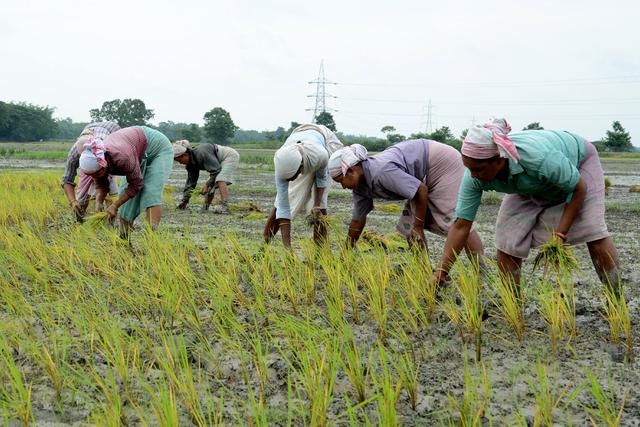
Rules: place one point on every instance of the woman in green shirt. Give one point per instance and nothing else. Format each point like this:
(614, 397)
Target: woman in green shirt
(554, 184)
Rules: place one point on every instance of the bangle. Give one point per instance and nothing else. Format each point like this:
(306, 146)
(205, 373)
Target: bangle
(419, 219)
(561, 235)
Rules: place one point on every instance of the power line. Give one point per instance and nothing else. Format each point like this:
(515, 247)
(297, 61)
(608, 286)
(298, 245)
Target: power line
(507, 103)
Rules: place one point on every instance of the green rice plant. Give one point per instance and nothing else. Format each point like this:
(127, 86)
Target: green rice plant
(353, 364)
(608, 408)
(548, 398)
(408, 368)
(619, 319)
(336, 274)
(388, 390)
(394, 208)
(123, 354)
(260, 352)
(469, 409)
(607, 185)
(374, 273)
(110, 412)
(552, 308)
(15, 393)
(98, 220)
(167, 196)
(557, 256)
(257, 411)
(52, 358)
(467, 316)
(165, 404)
(419, 294)
(509, 301)
(568, 300)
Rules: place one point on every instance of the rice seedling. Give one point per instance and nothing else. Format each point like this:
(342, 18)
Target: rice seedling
(469, 409)
(15, 393)
(419, 294)
(388, 390)
(165, 405)
(98, 220)
(608, 408)
(167, 196)
(408, 368)
(619, 319)
(509, 301)
(469, 314)
(374, 273)
(607, 185)
(557, 256)
(353, 364)
(393, 208)
(550, 307)
(547, 397)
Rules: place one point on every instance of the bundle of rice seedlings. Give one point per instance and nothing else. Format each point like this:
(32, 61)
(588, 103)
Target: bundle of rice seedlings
(556, 254)
(325, 220)
(634, 189)
(389, 208)
(607, 185)
(253, 216)
(390, 241)
(244, 206)
(167, 196)
(97, 220)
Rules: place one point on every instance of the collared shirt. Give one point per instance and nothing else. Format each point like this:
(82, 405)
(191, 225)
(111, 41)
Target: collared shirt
(283, 209)
(202, 157)
(548, 169)
(99, 130)
(394, 174)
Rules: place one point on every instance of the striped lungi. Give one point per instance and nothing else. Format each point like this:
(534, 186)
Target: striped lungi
(526, 222)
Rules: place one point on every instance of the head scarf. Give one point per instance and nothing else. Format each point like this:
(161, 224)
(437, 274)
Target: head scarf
(345, 158)
(490, 140)
(180, 147)
(311, 155)
(92, 157)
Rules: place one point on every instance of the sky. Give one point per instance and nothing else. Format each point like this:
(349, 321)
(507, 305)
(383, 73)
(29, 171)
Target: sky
(570, 65)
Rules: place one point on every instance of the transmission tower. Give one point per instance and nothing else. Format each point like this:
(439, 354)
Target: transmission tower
(321, 94)
(429, 127)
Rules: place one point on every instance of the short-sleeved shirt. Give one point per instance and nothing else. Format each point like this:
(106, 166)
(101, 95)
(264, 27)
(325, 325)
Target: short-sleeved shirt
(394, 174)
(548, 169)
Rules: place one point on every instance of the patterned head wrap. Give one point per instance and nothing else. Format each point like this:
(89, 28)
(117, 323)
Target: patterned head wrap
(92, 157)
(180, 147)
(345, 158)
(490, 140)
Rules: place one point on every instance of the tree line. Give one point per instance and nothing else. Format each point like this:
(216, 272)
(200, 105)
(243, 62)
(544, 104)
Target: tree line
(27, 122)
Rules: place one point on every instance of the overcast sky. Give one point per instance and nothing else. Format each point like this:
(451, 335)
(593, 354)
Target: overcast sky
(572, 65)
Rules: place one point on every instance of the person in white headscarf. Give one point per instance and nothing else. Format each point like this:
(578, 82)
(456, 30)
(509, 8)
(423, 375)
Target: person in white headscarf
(79, 195)
(301, 181)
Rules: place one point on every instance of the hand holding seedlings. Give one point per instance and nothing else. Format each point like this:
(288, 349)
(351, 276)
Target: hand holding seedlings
(112, 210)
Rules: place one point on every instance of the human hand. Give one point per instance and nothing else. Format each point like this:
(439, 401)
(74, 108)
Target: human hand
(439, 278)
(78, 211)
(204, 190)
(112, 210)
(316, 214)
(182, 206)
(99, 207)
(416, 237)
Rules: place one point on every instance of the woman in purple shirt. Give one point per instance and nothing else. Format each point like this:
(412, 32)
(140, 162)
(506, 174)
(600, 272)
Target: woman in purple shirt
(425, 173)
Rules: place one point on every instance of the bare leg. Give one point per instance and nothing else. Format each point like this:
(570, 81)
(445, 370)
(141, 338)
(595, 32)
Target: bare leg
(320, 230)
(154, 215)
(604, 256)
(224, 190)
(271, 227)
(474, 248)
(510, 267)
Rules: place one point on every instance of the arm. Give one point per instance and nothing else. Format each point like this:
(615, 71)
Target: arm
(571, 209)
(283, 212)
(355, 230)
(417, 233)
(192, 181)
(456, 239)
(69, 176)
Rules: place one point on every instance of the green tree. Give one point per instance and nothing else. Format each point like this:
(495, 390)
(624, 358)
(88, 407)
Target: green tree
(533, 126)
(126, 112)
(218, 126)
(326, 118)
(391, 135)
(388, 129)
(193, 133)
(618, 139)
(68, 129)
(26, 122)
(442, 135)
